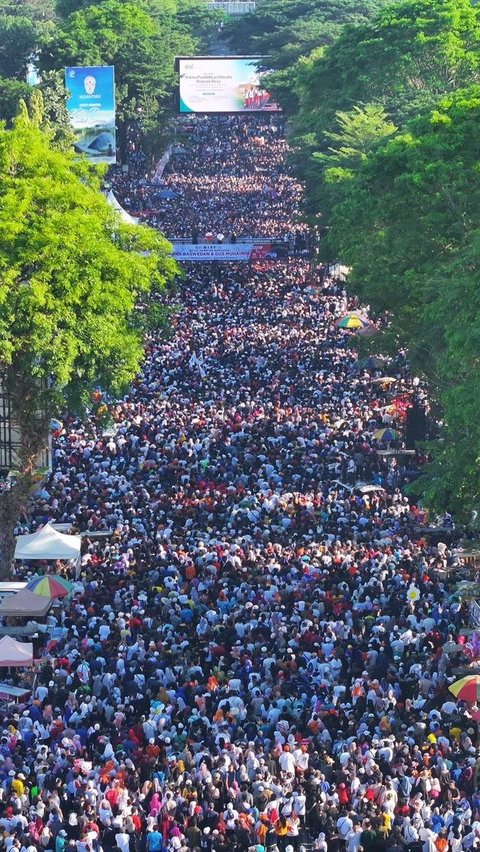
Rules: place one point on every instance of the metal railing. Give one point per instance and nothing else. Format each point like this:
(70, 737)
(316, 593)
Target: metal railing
(257, 241)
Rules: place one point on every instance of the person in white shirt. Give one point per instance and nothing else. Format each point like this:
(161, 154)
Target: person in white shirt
(122, 839)
(287, 760)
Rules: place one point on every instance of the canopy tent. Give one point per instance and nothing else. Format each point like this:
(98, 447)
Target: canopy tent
(48, 543)
(25, 604)
(125, 217)
(13, 653)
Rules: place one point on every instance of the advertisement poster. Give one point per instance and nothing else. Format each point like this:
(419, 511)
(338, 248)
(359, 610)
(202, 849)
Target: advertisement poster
(91, 106)
(213, 84)
(220, 251)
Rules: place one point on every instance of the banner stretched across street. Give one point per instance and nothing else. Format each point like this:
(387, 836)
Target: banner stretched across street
(91, 108)
(220, 251)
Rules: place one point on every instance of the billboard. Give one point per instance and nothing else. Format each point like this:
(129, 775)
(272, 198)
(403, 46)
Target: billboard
(91, 107)
(220, 251)
(223, 84)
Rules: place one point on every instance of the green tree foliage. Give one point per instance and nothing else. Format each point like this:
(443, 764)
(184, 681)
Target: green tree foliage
(405, 217)
(141, 39)
(73, 279)
(357, 134)
(11, 93)
(55, 117)
(288, 29)
(18, 40)
(400, 206)
(404, 59)
(114, 33)
(35, 10)
(50, 92)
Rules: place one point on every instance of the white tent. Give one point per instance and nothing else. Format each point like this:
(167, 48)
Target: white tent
(13, 653)
(125, 217)
(48, 543)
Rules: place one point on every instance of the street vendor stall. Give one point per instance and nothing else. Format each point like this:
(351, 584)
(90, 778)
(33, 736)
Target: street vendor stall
(25, 604)
(15, 654)
(48, 544)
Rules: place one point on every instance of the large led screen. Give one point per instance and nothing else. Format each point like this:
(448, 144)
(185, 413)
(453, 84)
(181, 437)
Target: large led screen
(212, 84)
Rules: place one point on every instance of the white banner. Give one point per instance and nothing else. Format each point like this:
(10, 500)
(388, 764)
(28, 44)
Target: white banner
(218, 251)
(162, 164)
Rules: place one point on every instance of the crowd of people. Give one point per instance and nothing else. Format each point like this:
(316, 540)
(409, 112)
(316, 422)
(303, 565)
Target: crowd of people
(226, 176)
(258, 653)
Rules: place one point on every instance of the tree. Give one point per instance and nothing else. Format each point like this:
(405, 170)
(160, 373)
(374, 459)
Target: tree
(73, 277)
(36, 10)
(55, 117)
(360, 132)
(18, 41)
(405, 218)
(141, 39)
(287, 29)
(405, 58)
(12, 92)
(399, 206)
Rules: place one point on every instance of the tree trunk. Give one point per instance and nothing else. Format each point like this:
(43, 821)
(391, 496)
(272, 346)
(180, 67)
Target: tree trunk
(30, 418)
(10, 508)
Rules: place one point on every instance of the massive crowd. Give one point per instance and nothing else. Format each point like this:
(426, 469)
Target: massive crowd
(231, 180)
(258, 656)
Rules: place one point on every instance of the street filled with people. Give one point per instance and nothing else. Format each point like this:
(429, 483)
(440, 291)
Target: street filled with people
(230, 178)
(258, 652)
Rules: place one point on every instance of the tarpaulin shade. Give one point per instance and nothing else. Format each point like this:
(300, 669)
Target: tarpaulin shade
(13, 653)
(48, 543)
(26, 604)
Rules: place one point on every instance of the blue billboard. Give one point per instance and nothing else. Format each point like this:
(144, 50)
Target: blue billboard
(91, 106)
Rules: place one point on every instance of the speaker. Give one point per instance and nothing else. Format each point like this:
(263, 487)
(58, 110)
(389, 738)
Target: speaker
(416, 425)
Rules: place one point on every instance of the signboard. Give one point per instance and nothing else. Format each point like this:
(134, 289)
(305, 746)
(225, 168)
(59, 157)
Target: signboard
(223, 84)
(91, 107)
(232, 7)
(220, 251)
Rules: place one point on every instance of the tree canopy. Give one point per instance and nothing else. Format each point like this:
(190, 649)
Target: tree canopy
(74, 282)
(18, 40)
(71, 272)
(386, 133)
(288, 29)
(403, 213)
(141, 39)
